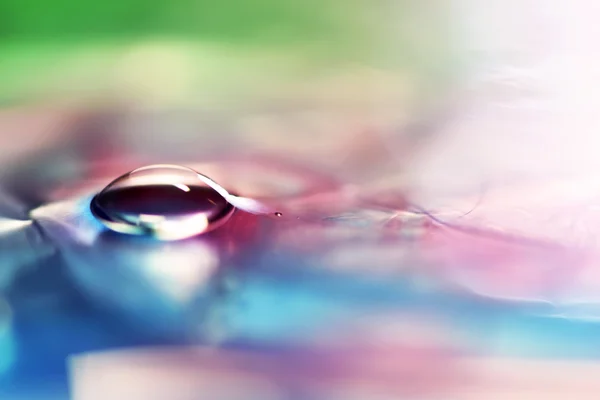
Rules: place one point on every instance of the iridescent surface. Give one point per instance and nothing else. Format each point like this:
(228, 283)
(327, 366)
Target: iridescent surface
(432, 243)
(346, 276)
(341, 275)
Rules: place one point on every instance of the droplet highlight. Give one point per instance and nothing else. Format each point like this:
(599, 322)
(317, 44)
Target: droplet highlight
(169, 202)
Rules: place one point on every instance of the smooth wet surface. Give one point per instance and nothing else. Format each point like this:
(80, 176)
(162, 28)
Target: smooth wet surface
(167, 201)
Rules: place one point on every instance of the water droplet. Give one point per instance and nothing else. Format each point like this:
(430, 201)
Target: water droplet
(169, 202)
(278, 214)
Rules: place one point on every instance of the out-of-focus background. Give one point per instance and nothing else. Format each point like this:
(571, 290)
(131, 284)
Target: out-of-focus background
(298, 77)
(434, 161)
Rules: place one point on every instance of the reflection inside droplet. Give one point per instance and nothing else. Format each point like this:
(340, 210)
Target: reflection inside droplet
(169, 202)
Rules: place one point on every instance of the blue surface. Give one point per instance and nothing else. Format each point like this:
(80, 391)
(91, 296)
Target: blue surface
(74, 301)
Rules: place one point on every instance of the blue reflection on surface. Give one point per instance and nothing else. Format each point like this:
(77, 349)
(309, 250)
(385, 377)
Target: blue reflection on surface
(7, 343)
(269, 300)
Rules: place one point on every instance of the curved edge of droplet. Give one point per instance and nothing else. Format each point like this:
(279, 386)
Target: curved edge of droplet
(249, 205)
(153, 166)
(117, 224)
(243, 203)
(177, 230)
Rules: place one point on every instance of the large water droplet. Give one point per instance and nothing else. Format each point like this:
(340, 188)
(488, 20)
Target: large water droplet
(169, 202)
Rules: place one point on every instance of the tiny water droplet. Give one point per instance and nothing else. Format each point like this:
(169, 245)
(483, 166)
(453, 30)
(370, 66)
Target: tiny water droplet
(169, 202)
(278, 214)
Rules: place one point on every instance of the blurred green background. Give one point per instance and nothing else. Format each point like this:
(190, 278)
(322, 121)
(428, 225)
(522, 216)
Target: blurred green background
(194, 50)
(233, 21)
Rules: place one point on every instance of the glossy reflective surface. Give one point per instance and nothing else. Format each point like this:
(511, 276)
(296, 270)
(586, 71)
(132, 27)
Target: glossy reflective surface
(166, 201)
